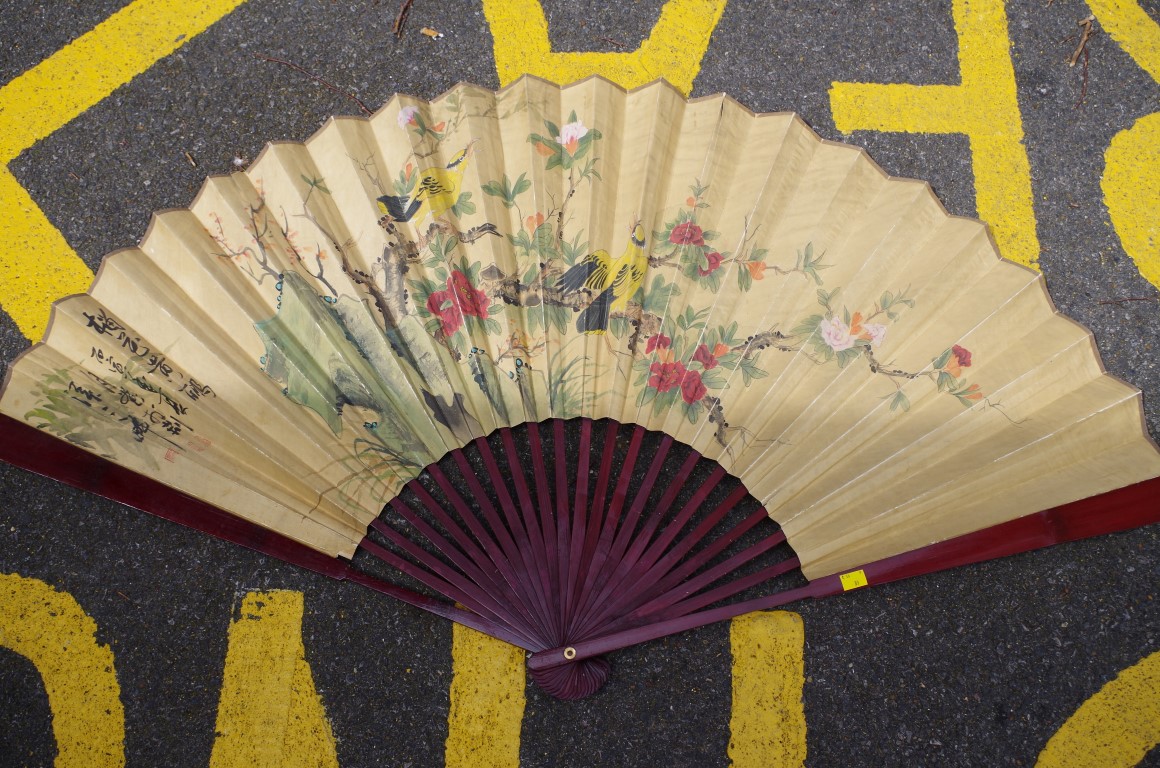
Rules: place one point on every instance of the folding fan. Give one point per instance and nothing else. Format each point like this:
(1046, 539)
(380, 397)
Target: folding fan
(581, 368)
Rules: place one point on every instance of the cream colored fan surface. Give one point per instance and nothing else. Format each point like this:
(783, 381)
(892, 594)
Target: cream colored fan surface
(315, 331)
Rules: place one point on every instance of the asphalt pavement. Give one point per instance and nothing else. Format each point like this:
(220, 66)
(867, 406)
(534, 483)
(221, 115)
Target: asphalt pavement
(975, 667)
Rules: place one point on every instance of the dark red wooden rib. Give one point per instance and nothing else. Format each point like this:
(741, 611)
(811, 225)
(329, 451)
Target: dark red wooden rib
(467, 557)
(502, 552)
(612, 517)
(597, 512)
(522, 525)
(672, 568)
(547, 525)
(679, 586)
(579, 520)
(433, 573)
(563, 498)
(520, 556)
(630, 568)
(626, 530)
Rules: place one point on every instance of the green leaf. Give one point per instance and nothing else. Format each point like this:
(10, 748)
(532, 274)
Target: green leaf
(899, 401)
(946, 382)
(942, 359)
(744, 279)
(464, 206)
(807, 327)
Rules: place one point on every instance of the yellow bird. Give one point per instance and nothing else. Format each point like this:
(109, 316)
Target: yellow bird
(613, 282)
(436, 192)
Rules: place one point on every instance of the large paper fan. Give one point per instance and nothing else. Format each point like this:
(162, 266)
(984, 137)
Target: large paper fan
(581, 368)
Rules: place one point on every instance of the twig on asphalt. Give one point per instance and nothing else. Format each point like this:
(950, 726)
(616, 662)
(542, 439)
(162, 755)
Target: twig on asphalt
(1126, 299)
(1088, 31)
(401, 18)
(329, 85)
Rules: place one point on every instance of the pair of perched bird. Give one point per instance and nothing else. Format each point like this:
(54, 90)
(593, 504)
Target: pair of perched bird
(612, 281)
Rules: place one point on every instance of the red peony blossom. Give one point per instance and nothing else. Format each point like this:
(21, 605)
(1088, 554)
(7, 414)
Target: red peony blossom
(714, 260)
(665, 376)
(960, 358)
(705, 358)
(687, 234)
(660, 341)
(470, 299)
(692, 388)
(450, 317)
(962, 355)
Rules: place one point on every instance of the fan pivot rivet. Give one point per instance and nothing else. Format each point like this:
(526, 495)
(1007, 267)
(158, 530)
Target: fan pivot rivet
(569, 653)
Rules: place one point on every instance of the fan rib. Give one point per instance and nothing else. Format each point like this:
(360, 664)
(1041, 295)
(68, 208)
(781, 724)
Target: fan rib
(433, 572)
(580, 513)
(473, 562)
(665, 582)
(547, 527)
(503, 554)
(683, 593)
(440, 585)
(533, 567)
(655, 579)
(630, 564)
(627, 530)
(595, 515)
(612, 514)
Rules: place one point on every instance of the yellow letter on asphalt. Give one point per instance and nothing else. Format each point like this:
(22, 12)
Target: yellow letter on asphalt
(768, 725)
(673, 50)
(487, 702)
(52, 631)
(269, 714)
(37, 265)
(983, 106)
(1131, 180)
(1116, 727)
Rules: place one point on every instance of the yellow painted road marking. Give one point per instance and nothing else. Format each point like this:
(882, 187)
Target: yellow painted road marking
(1131, 180)
(487, 702)
(1133, 29)
(52, 631)
(37, 266)
(768, 725)
(984, 107)
(269, 713)
(673, 49)
(1116, 727)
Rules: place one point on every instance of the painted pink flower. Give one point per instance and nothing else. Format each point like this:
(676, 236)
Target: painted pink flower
(660, 341)
(440, 304)
(875, 333)
(470, 299)
(692, 388)
(570, 136)
(714, 260)
(687, 234)
(666, 376)
(836, 334)
(960, 358)
(407, 117)
(705, 357)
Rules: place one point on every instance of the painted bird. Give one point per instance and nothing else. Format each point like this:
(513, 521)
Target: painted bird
(612, 281)
(436, 192)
